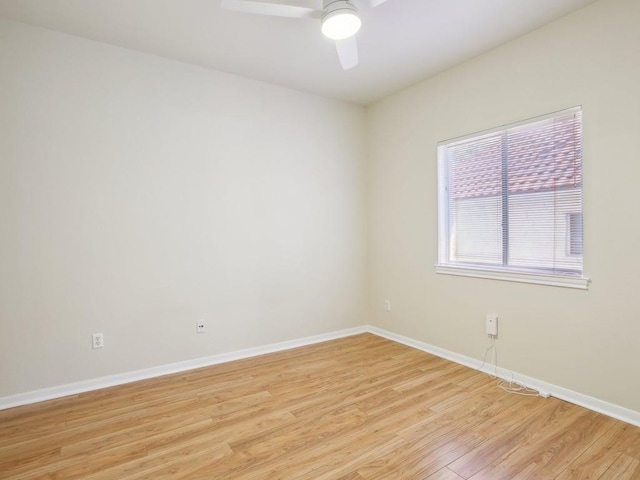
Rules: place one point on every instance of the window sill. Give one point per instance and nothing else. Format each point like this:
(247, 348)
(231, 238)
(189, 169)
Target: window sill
(552, 280)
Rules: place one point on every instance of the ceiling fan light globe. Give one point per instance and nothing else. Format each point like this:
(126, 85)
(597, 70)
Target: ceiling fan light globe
(341, 24)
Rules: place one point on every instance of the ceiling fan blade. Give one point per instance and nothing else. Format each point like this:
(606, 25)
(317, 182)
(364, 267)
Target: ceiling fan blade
(375, 3)
(271, 9)
(347, 52)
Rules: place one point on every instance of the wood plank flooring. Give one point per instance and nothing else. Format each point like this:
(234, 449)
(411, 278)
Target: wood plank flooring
(358, 408)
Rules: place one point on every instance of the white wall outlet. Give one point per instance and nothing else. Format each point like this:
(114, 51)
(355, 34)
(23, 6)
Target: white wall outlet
(98, 340)
(387, 305)
(492, 324)
(200, 326)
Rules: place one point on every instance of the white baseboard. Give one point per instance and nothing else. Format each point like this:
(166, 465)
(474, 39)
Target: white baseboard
(600, 406)
(609, 409)
(134, 376)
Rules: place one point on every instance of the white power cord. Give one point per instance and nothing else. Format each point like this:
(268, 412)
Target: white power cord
(511, 386)
(518, 388)
(493, 351)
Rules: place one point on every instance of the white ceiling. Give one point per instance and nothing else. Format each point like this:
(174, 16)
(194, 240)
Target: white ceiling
(401, 41)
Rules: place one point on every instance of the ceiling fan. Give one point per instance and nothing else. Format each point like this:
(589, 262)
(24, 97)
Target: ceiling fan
(339, 20)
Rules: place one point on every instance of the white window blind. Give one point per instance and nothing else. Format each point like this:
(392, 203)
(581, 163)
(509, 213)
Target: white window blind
(510, 199)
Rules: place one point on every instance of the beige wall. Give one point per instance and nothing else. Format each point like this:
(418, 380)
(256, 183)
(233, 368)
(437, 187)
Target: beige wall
(139, 194)
(583, 341)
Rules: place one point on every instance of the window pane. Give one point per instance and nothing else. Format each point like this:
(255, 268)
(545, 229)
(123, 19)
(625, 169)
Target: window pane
(475, 201)
(545, 184)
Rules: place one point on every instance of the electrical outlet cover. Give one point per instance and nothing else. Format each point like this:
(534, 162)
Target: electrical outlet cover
(492, 324)
(98, 340)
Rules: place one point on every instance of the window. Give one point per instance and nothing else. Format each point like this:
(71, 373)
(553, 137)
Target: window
(510, 202)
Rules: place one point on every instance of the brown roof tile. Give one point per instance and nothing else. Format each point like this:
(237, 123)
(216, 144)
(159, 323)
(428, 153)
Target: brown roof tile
(544, 157)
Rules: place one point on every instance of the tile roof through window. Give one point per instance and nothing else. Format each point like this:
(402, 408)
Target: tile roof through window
(541, 157)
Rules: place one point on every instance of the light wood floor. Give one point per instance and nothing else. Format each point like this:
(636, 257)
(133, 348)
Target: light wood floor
(359, 408)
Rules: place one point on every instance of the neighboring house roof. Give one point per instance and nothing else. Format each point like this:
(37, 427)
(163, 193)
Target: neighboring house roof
(542, 157)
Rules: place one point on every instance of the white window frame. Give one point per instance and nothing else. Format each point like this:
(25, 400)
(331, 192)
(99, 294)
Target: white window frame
(493, 272)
